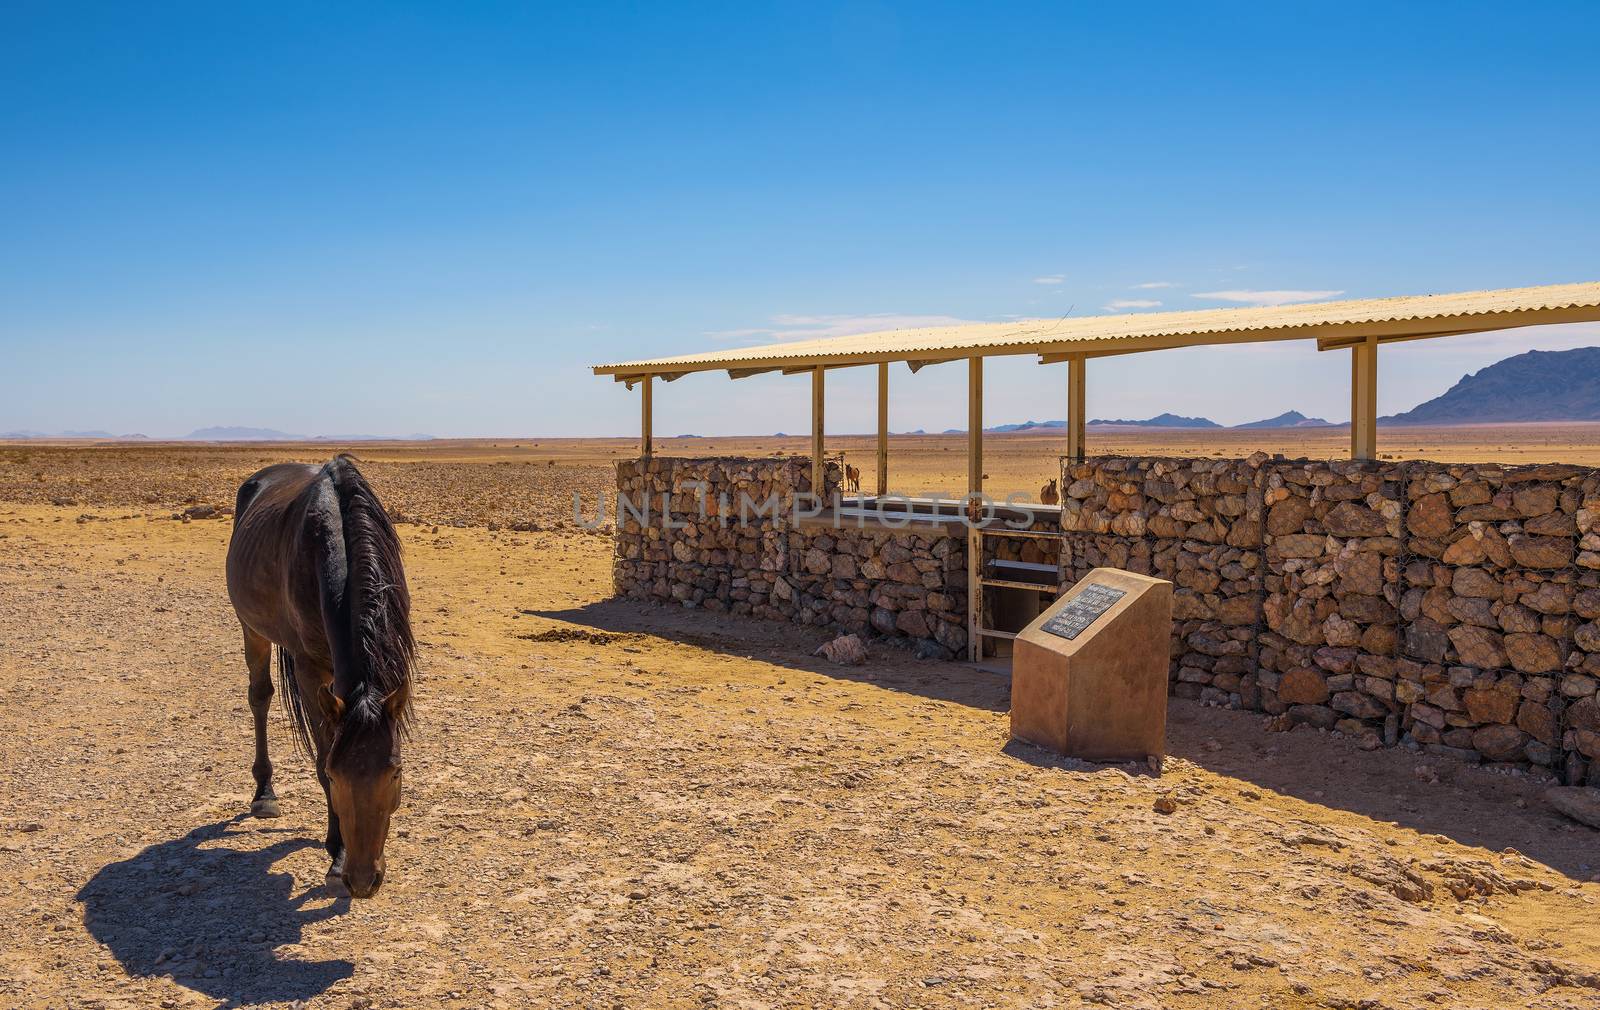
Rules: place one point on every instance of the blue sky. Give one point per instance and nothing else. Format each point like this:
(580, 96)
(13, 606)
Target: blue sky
(412, 217)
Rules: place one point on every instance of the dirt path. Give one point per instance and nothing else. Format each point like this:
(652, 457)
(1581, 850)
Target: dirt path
(612, 805)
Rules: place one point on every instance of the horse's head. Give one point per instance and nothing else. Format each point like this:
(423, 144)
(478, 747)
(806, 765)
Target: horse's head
(363, 769)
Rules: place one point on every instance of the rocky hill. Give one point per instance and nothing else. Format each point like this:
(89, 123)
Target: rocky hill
(237, 433)
(1533, 386)
(1159, 421)
(1289, 419)
(1029, 426)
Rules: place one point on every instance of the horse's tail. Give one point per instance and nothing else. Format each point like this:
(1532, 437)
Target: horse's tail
(294, 706)
(381, 645)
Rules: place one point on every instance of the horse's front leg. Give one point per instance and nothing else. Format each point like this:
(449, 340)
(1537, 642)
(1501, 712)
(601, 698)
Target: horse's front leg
(322, 739)
(335, 841)
(258, 658)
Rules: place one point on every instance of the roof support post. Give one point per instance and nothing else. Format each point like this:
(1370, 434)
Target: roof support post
(1077, 409)
(883, 428)
(974, 424)
(819, 467)
(1364, 399)
(647, 447)
(974, 487)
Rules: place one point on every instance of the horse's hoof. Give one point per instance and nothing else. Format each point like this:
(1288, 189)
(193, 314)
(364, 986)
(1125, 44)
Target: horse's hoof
(267, 806)
(334, 878)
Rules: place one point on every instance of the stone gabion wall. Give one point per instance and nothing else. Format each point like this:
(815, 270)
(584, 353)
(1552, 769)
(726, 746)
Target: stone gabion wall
(1330, 537)
(900, 585)
(1497, 583)
(713, 561)
(1447, 606)
(891, 584)
(1196, 523)
(1453, 607)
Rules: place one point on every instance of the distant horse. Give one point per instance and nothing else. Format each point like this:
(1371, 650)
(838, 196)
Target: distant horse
(1048, 495)
(314, 568)
(852, 477)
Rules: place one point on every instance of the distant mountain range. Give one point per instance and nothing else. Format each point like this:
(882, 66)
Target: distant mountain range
(25, 434)
(1288, 419)
(1532, 386)
(225, 433)
(234, 433)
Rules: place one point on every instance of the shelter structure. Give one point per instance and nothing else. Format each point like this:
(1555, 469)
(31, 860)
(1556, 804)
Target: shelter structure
(1357, 326)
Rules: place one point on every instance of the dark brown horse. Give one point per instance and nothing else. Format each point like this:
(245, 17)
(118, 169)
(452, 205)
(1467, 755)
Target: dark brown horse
(314, 568)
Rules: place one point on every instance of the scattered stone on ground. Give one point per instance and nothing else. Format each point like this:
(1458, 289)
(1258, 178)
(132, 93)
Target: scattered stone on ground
(846, 650)
(1580, 803)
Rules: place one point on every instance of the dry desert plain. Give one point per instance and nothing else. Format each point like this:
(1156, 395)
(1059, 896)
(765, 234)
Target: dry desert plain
(616, 805)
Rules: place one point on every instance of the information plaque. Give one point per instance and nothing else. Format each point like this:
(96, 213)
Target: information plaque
(1089, 675)
(1081, 610)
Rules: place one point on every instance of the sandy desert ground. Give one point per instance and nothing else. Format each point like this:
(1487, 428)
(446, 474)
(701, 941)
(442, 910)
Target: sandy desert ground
(616, 805)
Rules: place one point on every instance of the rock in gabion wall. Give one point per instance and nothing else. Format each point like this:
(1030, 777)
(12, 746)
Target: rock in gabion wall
(896, 584)
(1455, 607)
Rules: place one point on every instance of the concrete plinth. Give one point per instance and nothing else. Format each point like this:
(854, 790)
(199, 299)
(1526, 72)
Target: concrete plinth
(1089, 675)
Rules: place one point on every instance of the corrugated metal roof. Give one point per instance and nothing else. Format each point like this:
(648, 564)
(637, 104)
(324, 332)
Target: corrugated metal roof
(1403, 318)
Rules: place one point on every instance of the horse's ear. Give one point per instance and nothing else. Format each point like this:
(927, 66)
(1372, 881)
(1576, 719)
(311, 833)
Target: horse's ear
(335, 702)
(395, 702)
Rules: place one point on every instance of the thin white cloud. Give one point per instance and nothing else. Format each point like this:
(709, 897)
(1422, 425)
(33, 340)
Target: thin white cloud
(1051, 279)
(1152, 285)
(1267, 297)
(812, 327)
(1130, 303)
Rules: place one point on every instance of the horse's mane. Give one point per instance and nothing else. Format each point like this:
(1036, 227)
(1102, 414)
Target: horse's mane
(378, 607)
(375, 590)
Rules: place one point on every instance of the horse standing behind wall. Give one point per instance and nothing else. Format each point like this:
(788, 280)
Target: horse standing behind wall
(1048, 495)
(314, 568)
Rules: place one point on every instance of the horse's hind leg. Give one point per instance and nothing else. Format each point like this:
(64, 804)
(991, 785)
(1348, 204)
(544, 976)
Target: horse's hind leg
(258, 657)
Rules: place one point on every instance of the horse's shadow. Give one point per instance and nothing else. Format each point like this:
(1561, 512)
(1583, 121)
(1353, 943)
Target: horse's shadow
(210, 918)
